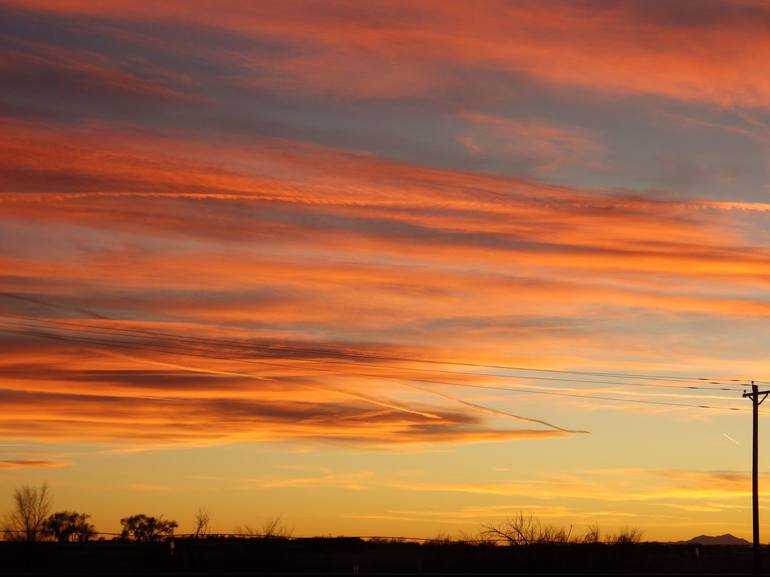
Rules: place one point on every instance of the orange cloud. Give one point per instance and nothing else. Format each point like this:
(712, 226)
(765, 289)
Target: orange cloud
(544, 145)
(665, 487)
(87, 73)
(712, 54)
(262, 285)
(28, 463)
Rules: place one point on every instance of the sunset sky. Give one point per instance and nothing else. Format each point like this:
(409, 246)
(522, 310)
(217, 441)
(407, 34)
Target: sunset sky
(386, 267)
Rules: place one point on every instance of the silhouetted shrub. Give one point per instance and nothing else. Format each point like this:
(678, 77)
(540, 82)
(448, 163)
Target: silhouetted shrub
(593, 535)
(626, 536)
(273, 528)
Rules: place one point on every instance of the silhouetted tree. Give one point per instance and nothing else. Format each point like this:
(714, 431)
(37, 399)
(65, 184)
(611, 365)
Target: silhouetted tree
(519, 530)
(143, 528)
(202, 522)
(31, 506)
(66, 526)
(527, 530)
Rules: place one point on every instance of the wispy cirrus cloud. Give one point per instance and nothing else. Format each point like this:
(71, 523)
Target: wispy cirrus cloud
(664, 486)
(29, 463)
(673, 51)
(529, 145)
(324, 262)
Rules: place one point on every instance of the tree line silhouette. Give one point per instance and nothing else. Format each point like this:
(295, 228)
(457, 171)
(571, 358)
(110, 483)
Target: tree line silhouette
(32, 519)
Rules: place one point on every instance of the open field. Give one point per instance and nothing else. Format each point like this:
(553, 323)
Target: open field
(353, 555)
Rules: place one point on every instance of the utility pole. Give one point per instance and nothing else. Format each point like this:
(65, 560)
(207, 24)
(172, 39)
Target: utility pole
(757, 397)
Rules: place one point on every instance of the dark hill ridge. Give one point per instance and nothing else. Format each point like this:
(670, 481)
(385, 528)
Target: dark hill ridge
(726, 539)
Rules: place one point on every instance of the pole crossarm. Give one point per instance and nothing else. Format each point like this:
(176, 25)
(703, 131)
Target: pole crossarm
(752, 395)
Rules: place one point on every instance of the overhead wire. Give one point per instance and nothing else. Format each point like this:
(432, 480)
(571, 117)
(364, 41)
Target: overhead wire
(208, 355)
(576, 395)
(255, 347)
(488, 375)
(321, 351)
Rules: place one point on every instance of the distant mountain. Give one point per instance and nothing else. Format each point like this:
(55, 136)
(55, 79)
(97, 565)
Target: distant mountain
(725, 539)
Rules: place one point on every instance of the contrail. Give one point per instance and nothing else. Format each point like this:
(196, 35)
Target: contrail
(745, 206)
(729, 438)
(494, 411)
(339, 391)
(29, 299)
(357, 396)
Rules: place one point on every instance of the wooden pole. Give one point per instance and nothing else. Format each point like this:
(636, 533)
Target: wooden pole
(754, 474)
(754, 395)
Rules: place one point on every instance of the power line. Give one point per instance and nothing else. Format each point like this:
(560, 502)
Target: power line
(458, 373)
(556, 379)
(250, 347)
(208, 355)
(137, 346)
(321, 352)
(597, 397)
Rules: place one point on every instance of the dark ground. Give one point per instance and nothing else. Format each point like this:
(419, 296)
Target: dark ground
(351, 555)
